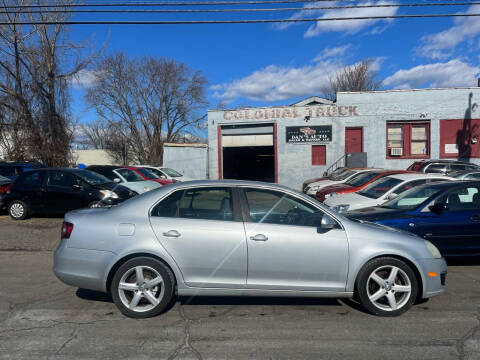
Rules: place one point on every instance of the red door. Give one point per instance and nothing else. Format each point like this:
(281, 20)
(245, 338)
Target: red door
(353, 140)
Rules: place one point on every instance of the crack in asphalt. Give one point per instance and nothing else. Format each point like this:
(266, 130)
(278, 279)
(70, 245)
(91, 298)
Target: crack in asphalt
(470, 334)
(186, 340)
(72, 336)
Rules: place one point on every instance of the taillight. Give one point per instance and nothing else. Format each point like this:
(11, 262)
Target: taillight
(5, 189)
(67, 229)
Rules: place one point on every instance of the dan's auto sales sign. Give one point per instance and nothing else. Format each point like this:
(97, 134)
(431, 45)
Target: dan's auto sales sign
(309, 134)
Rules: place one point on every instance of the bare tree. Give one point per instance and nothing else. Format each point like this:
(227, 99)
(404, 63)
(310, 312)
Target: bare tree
(36, 63)
(358, 77)
(144, 103)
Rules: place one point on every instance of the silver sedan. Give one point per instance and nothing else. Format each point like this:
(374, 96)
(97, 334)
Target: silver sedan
(229, 238)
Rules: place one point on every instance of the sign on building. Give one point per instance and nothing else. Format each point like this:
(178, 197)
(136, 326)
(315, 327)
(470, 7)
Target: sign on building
(309, 134)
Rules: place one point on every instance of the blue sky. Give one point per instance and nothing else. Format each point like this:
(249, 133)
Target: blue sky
(264, 64)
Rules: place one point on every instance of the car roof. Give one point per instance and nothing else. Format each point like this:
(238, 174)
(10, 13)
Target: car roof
(448, 162)
(415, 175)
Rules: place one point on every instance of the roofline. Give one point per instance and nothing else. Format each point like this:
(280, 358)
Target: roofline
(405, 90)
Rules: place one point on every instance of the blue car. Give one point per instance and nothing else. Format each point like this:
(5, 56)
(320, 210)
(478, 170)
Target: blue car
(12, 170)
(447, 214)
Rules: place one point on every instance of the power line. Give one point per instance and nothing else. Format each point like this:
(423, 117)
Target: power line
(150, 11)
(259, 21)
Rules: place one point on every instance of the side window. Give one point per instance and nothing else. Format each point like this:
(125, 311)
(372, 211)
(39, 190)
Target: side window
(409, 185)
(33, 178)
(463, 199)
(273, 207)
(473, 176)
(168, 207)
(200, 203)
(436, 168)
(458, 167)
(61, 179)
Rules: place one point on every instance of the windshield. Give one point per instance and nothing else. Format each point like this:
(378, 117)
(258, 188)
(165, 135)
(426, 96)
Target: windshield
(147, 173)
(379, 187)
(171, 172)
(92, 178)
(343, 175)
(157, 172)
(129, 175)
(362, 178)
(410, 199)
(414, 166)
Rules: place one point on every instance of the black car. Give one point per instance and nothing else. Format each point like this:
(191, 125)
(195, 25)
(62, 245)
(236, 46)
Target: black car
(441, 166)
(56, 191)
(447, 214)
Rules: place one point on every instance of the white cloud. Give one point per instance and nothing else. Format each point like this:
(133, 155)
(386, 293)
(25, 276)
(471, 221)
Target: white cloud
(442, 44)
(85, 78)
(274, 82)
(332, 52)
(344, 26)
(447, 74)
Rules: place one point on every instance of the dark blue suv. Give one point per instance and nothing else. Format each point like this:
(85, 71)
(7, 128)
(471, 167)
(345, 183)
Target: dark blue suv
(12, 170)
(447, 214)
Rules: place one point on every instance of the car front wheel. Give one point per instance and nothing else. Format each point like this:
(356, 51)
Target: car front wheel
(386, 287)
(143, 287)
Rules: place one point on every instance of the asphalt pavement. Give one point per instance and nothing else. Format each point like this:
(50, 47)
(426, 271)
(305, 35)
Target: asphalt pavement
(41, 318)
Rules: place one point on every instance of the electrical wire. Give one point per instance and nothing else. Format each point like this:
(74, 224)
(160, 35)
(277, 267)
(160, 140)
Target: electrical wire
(150, 11)
(258, 21)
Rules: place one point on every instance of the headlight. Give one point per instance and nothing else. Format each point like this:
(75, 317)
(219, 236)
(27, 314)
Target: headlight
(341, 208)
(109, 194)
(433, 250)
(147, 188)
(330, 195)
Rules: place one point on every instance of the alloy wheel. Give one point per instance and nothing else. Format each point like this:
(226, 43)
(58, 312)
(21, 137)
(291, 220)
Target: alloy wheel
(17, 210)
(389, 288)
(141, 288)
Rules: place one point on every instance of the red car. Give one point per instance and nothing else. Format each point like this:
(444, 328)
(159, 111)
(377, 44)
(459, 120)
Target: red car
(147, 175)
(356, 183)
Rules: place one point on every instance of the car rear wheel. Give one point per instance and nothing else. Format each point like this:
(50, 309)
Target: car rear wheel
(386, 287)
(143, 287)
(18, 210)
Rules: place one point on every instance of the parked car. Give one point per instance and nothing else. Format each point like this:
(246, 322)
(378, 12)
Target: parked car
(167, 173)
(447, 214)
(382, 190)
(12, 170)
(341, 178)
(465, 175)
(147, 174)
(334, 173)
(56, 191)
(126, 177)
(441, 166)
(355, 183)
(194, 239)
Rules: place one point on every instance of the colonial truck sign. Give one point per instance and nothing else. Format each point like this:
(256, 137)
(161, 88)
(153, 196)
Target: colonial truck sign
(291, 112)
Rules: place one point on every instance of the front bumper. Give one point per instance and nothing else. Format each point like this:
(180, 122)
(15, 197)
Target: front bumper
(433, 285)
(83, 268)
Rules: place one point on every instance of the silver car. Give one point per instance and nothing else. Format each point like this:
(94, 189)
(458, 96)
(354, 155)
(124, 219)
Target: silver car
(230, 238)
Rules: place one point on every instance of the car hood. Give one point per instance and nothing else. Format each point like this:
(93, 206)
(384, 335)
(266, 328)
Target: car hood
(351, 199)
(141, 186)
(122, 191)
(376, 213)
(337, 188)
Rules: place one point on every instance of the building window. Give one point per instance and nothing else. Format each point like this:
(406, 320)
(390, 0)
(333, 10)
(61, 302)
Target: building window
(319, 155)
(408, 140)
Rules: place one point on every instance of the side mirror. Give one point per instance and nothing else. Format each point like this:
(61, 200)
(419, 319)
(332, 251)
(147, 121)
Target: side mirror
(76, 187)
(438, 208)
(117, 180)
(392, 196)
(327, 223)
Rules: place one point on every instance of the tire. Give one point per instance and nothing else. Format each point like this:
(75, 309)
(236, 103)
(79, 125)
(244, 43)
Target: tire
(95, 204)
(378, 294)
(18, 210)
(142, 301)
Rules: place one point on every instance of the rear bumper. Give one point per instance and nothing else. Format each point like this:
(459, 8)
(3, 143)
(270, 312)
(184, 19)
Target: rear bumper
(82, 268)
(433, 285)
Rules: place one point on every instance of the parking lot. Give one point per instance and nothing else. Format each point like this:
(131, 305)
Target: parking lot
(42, 318)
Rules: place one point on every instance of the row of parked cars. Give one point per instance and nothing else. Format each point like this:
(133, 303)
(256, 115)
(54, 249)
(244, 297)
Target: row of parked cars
(32, 188)
(437, 200)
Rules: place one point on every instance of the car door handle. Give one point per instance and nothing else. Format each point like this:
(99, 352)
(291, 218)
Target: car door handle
(259, 237)
(475, 218)
(171, 233)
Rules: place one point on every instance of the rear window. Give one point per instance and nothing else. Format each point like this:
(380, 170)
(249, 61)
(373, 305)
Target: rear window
(362, 178)
(379, 187)
(8, 171)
